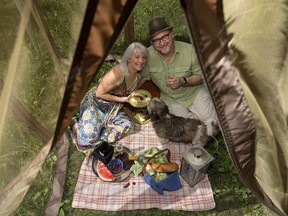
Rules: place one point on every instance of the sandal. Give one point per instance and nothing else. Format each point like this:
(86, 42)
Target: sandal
(73, 131)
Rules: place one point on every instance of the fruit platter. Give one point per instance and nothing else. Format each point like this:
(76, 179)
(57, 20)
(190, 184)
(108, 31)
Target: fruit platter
(117, 170)
(140, 98)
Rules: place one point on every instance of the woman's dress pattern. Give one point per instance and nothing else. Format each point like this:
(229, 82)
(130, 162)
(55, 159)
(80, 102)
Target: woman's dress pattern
(101, 120)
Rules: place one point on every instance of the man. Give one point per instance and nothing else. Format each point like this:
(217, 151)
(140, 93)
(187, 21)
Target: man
(174, 68)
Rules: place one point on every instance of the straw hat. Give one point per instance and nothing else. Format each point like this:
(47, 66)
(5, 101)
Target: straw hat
(158, 25)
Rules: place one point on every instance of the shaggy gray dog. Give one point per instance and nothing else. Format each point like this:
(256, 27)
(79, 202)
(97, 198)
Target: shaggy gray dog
(175, 128)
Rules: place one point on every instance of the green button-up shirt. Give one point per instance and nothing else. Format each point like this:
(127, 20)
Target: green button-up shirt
(183, 63)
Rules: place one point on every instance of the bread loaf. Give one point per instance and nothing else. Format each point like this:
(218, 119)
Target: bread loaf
(132, 158)
(165, 167)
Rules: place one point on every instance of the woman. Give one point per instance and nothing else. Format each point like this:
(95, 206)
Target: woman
(101, 117)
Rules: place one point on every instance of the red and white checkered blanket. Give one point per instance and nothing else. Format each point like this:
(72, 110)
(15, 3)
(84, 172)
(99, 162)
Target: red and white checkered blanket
(92, 193)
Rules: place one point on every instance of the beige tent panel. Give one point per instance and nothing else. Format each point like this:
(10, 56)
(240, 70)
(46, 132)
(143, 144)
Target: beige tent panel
(253, 114)
(246, 77)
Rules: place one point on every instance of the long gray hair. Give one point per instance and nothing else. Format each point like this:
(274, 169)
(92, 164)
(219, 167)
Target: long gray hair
(130, 51)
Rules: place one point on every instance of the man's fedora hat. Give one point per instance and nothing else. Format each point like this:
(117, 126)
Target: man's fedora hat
(158, 25)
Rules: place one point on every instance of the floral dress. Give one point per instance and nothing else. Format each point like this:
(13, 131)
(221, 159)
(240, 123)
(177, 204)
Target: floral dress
(103, 120)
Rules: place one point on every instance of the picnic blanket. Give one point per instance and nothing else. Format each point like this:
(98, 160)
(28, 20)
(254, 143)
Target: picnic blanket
(92, 193)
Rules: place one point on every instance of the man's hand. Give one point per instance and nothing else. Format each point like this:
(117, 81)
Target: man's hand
(175, 82)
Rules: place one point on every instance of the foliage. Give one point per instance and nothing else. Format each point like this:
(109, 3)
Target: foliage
(107, 65)
(37, 87)
(12, 157)
(145, 10)
(36, 198)
(59, 15)
(172, 12)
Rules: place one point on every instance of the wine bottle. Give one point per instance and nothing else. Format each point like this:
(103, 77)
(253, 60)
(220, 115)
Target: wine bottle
(104, 148)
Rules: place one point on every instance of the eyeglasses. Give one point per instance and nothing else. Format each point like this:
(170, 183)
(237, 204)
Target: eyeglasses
(163, 38)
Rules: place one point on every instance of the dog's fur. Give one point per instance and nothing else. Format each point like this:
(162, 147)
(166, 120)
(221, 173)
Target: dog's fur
(175, 128)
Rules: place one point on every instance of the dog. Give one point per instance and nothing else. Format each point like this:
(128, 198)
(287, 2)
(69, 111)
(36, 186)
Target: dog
(174, 128)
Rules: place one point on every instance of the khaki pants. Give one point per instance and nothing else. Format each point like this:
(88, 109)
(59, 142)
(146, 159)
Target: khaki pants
(202, 108)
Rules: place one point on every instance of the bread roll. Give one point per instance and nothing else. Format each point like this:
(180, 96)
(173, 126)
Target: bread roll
(165, 167)
(132, 158)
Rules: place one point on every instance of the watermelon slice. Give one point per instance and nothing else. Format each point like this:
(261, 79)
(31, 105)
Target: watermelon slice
(104, 173)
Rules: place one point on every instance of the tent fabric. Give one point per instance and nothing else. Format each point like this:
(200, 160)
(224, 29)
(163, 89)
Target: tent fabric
(98, 34)
(103, 23)
(246, 77)
(55, 199)
(20, 111)
(264, 76)
(12, 69)
(13, 193)
(251, 104)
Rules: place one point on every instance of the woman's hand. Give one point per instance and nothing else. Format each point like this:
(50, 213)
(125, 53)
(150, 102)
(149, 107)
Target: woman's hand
(125, 99)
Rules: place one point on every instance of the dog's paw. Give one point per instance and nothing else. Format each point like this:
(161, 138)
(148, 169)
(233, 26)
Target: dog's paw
(199, 143)
(163, 141)
(212, 127)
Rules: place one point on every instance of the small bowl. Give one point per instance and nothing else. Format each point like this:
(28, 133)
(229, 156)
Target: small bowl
(115, 165)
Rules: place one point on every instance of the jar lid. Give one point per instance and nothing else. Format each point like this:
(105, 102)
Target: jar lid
(197, 157)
